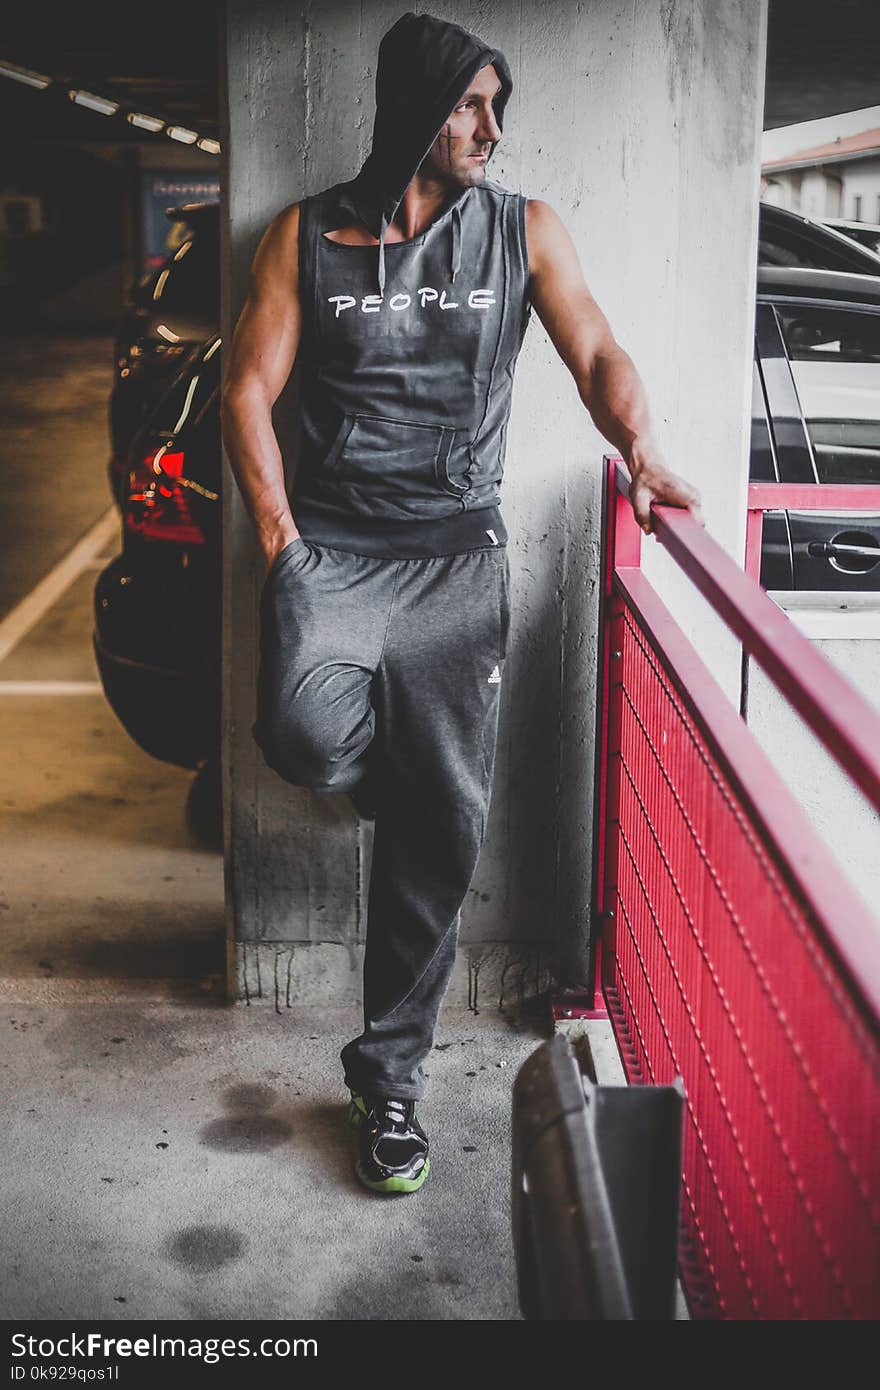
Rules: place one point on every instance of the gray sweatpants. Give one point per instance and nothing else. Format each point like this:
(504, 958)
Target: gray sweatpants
(392, 665)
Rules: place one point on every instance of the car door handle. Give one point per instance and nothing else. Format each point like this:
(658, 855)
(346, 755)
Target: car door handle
(829, 550)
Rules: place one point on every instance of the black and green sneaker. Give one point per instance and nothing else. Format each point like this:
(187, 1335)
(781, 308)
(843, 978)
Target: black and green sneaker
(392, 1146)
(357, 1109)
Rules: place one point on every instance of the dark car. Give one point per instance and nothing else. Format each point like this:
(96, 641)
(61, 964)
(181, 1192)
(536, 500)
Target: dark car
(787, 239)
(157, 605)
(816, 419)
(169, 314)
(865, 233)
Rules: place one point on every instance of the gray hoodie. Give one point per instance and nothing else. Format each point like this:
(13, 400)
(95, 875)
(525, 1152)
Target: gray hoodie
(408, 350)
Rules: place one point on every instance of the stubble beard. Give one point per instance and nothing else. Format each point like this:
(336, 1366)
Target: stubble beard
(457, 171)
(462, 173)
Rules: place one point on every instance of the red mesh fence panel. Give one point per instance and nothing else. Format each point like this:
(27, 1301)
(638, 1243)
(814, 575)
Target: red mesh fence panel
(715, 968)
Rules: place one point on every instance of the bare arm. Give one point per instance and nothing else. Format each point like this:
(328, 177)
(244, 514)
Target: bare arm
(261, 357)
(606, 378)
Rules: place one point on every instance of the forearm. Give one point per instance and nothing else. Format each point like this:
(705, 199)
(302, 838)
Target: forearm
(255, 456)
(606, 378)
(616, 399)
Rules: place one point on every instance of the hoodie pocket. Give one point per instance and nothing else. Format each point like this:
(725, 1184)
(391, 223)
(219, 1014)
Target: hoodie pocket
(377, 456)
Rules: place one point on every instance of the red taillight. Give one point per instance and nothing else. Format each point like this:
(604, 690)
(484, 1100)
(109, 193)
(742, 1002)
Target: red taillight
(158, 508)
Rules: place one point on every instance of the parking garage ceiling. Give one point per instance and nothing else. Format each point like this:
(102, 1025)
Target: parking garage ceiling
(163, 59)
(822, 58)
(160, 59)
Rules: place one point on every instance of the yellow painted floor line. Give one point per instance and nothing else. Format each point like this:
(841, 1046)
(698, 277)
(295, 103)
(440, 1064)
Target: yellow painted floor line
(50, 688)
(50, 588)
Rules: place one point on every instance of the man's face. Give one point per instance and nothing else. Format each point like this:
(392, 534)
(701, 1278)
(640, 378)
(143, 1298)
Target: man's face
(459, 153)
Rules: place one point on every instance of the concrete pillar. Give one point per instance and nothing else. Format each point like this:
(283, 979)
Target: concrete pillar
(640, 124)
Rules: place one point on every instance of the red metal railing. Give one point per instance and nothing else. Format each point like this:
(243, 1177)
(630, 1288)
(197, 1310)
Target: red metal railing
(732, 951)
(801, 497)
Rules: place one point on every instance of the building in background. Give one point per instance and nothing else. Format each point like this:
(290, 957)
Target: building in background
(826, 168)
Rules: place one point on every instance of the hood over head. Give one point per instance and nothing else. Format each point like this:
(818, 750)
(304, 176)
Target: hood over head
(425, 67)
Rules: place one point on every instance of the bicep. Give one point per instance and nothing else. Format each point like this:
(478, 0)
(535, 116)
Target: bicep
(266, 337)
(574, 322)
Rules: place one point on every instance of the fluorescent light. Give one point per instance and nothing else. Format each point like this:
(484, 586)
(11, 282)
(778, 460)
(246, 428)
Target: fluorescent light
(94, 103)
(209, 146)
(180, 132)
(167, 334)
(212, 349)
(181, 251)
(30, 79)
(145, 122)
(160, 284)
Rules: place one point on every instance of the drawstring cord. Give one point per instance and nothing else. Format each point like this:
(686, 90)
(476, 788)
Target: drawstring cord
(456, 247)
(382, 231)
(456, 242)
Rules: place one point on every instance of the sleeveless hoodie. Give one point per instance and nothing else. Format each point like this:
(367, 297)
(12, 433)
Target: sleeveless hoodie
(408, 349)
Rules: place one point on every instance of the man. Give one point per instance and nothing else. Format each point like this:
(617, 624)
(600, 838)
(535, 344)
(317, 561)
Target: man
(404, 296)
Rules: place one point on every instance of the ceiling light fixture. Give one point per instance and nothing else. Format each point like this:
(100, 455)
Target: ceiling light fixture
(30, 79)
(180, 132)
(145, 122)
(105, 106)
(95, 103)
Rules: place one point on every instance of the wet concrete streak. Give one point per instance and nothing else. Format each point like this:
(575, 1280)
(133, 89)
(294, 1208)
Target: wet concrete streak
(248, 1128)
(202, 1249)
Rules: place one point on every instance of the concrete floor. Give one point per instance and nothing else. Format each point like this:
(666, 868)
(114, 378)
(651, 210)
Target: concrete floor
(54, 393)
(188, 1160)
(167, 1155)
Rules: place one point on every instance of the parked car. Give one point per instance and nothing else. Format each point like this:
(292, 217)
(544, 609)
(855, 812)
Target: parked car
(170, 313)
(787, 239)
(816, 419)
(157, 605)
(866, 233)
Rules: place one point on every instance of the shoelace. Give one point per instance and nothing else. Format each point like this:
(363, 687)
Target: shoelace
(394, 1142)
(393, 1114)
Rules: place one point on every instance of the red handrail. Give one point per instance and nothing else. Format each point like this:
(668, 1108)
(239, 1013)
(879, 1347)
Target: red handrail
(801, 497)
(814, 497)
(838, 714)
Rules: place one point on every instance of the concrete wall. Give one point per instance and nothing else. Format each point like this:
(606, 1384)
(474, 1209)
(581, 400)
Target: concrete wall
(641, 125)
(862, 179)
(821, 193)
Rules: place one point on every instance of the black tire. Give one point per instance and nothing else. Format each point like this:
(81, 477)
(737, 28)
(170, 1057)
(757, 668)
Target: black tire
(204, 805)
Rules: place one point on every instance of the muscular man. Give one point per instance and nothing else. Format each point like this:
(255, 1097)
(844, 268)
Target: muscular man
(404, 295)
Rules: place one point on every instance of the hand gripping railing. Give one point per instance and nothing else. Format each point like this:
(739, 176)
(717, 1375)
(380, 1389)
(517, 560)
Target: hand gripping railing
(732, 951)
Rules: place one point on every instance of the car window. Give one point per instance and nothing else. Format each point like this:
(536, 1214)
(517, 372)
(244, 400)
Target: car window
(803, 245)
(866, 235)
(761, 468)
(835, 361)
(869, 237)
